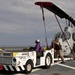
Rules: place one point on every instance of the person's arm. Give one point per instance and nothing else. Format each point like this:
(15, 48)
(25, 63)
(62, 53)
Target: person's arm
(60, 46)
(54, 46)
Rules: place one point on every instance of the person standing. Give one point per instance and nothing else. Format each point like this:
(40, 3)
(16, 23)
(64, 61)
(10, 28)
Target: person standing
(58, 49)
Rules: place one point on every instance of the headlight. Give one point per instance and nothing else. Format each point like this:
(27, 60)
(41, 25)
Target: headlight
(14, 59)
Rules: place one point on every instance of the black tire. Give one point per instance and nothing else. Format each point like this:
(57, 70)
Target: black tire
(28, 66)
(48, 60)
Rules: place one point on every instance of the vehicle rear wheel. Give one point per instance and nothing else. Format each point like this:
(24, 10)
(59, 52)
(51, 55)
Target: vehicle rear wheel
(28, 66)
(48, 61)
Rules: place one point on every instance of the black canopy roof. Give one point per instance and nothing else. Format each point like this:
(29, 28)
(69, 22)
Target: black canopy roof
(56, 10)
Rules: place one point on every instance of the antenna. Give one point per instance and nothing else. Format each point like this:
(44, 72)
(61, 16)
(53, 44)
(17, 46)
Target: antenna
(44, 27)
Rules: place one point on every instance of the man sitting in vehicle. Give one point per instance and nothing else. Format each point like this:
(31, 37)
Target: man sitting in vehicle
(38, 48)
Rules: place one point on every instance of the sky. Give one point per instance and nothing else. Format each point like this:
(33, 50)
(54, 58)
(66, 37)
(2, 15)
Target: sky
(21, 21)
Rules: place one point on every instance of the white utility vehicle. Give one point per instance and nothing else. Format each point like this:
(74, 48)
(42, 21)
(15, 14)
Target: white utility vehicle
(25, 60)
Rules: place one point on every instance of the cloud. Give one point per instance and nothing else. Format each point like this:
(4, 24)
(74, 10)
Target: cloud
(21, 21)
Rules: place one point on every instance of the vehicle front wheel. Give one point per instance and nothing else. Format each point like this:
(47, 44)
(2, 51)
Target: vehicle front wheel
(28, 67)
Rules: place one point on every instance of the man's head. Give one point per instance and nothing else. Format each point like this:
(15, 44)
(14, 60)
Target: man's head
(56, 39)
(37, 41)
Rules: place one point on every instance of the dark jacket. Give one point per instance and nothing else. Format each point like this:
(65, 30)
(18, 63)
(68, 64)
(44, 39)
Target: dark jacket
(57, 47)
